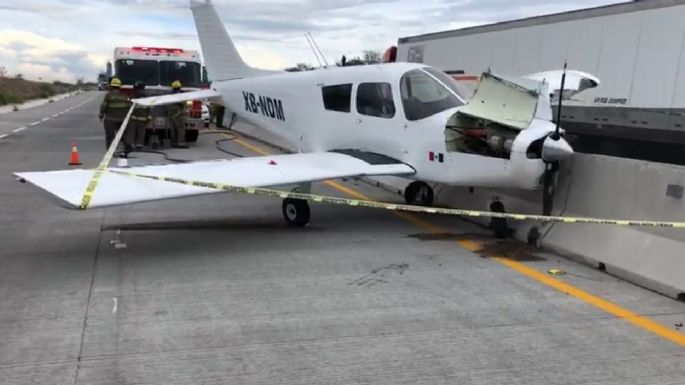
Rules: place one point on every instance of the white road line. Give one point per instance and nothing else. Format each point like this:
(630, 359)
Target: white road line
(20, 129)
(3, 136)
(114, 308)
(55, 115)
(45, 119)
(34, 123)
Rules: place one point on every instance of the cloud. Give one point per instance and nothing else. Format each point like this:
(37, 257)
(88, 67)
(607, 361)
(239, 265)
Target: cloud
(75, 37)
(45, 72)
(37, 56)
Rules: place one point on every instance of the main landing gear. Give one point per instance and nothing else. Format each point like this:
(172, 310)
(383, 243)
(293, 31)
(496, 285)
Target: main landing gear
(419, 194)
(296, 212)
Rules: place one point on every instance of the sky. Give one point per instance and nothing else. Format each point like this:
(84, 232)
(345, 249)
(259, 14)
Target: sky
(71, 39)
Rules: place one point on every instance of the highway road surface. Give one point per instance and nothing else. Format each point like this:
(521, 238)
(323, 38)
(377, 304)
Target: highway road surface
(217, 290)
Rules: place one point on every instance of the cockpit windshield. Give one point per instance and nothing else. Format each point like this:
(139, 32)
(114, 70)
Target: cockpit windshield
(446, 80)
(423, 96)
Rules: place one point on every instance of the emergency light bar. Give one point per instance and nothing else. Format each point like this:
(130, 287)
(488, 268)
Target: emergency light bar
(154, 51)
(158, 50)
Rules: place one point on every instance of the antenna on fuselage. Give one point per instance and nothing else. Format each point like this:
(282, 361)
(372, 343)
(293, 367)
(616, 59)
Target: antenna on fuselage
(313, 50)
(317, 48)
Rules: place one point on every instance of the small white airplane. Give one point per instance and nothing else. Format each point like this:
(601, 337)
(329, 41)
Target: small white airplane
(401, 119)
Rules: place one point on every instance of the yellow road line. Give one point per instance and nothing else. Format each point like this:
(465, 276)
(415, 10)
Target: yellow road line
(347, 190)
(598, 302)
(251, 147)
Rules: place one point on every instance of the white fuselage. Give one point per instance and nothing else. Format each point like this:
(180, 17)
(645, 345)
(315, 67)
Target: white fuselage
(291, 106)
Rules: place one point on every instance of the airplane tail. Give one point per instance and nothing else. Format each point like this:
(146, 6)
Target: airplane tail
(220, 55)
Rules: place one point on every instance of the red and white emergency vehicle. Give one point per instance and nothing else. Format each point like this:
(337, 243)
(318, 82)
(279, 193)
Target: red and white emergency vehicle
(157, 68)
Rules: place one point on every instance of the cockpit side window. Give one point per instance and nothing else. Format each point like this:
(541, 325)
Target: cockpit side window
(423, 96)
(375, 99)
(337, 97)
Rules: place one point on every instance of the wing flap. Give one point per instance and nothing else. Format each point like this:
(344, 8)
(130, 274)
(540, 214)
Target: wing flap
(68, 186)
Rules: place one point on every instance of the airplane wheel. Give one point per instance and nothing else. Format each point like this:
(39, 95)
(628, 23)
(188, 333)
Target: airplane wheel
(296, 212)
(191, 136)
(418, 193)
(498, 226)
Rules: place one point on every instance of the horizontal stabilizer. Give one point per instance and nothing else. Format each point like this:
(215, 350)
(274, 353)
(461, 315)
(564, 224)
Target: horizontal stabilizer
(576, 81)
(68, 186)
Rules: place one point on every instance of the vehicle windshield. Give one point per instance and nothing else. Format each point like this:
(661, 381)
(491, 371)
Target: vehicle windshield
(423, 96)
(188, 73)
(130, 71)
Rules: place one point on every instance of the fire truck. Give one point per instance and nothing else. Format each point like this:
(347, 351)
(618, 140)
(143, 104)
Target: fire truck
(157, 68)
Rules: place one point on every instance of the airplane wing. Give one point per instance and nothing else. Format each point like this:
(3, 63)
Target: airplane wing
(68, 186)
(177, 98)
(576, 81)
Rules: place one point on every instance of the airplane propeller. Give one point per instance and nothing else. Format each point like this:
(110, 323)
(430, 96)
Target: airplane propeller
(554, 149)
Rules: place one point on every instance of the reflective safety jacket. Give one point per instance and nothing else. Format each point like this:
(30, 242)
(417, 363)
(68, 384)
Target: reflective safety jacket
(176, 110)
(115, 106)
(141, 114)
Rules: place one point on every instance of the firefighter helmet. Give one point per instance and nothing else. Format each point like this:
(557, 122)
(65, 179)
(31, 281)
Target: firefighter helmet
(115, 82)
(176, 84)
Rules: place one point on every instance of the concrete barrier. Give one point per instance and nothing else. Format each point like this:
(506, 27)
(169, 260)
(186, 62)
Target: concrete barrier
(608, 187)
(592, 186)
(36, 102)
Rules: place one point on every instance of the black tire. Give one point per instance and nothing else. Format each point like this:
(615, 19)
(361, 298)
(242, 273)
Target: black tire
(191, 136)
(419, 194)
(499, 226)
(296, 212)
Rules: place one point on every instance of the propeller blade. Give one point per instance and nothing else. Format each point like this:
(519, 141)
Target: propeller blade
(561, 98)
(554, 149)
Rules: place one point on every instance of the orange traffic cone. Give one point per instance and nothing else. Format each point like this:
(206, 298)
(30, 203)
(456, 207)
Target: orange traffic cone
(74, 161)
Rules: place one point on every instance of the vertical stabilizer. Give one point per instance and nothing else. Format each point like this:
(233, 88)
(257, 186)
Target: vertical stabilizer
(220, 55)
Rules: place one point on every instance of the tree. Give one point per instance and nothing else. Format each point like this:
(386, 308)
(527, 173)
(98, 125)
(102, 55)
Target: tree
(368, 57)
(3, 72)
(371, 56)
(355, 61)
(19, 76)
(300, 67)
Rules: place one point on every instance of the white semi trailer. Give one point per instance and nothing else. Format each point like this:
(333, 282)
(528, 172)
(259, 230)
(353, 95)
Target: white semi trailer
(636, 49)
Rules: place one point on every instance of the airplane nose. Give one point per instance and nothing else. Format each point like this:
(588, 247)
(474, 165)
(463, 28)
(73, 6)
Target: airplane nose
(554, 150)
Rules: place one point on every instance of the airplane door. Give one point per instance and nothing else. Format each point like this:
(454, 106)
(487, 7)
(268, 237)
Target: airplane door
(339, 123)
(377, 119)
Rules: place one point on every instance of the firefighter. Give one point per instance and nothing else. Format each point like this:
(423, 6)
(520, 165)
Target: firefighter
(219, 112)
(135, 131)
(113, 110)
(177, 119)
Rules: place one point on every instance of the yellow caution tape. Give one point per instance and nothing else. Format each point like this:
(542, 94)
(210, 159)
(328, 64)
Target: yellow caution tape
(95, 179)
(401, 207)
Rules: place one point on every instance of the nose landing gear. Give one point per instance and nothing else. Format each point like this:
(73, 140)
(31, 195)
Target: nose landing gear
(498, 226)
